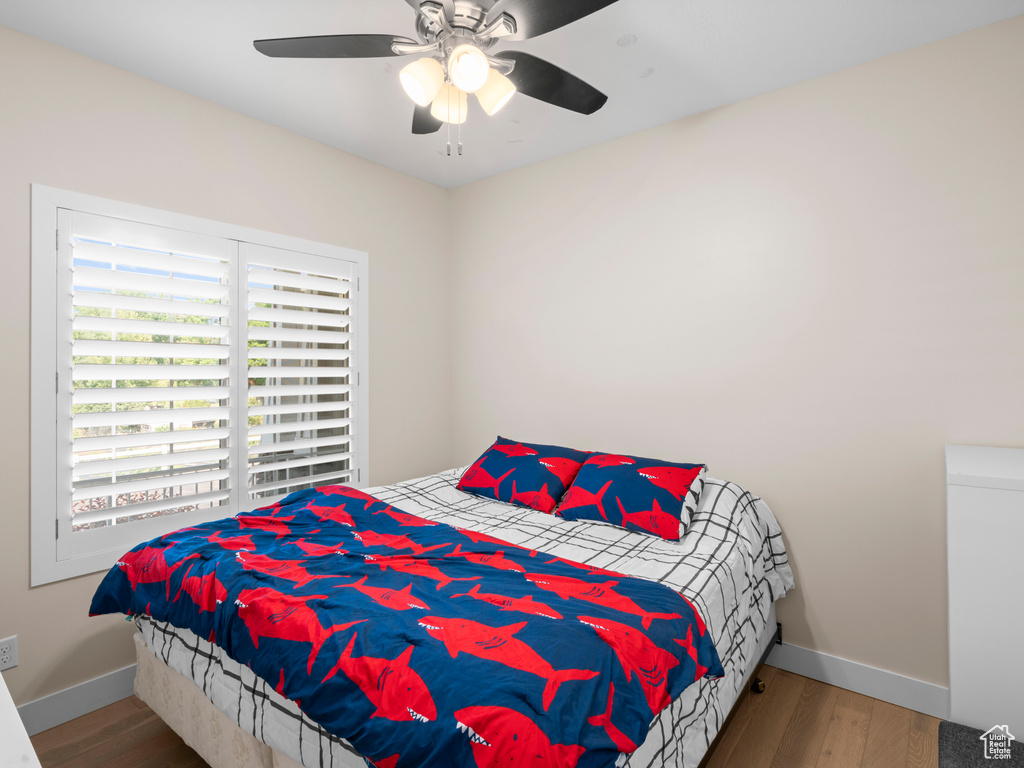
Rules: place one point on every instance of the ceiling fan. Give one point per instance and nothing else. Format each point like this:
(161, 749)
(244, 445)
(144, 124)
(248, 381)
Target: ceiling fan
(454, 35)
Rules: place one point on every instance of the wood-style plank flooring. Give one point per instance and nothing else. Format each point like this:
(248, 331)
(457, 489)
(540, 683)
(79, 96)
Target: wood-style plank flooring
(796, 723)
(801, 723)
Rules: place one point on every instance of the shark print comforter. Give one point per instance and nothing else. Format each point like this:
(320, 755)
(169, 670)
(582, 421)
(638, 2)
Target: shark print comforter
(420, 643)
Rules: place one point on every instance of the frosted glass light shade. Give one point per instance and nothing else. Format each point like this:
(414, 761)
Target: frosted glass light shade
(422, 80)
(450, 105)
(468, 68)
(495, 93)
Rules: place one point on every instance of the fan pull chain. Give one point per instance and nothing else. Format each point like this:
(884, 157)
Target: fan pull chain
(448, 97)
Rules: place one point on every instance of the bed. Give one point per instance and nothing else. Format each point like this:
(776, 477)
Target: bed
(731, 565)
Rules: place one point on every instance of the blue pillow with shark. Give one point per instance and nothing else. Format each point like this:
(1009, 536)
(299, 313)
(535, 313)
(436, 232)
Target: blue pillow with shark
(650, 495)
(526, 474)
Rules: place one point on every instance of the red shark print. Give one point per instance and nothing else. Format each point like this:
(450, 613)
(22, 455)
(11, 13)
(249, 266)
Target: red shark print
(206, 591)
(290, 570)
(581, 497)
(655, 520)
(410, 565)
(540, 500)
(319, 550)
(564, 469)
(476, 538)
(269, 613)
(391, 685)
(502, 737)
(515, 450)
(622, 742)
(280, 688)
(497, 560)
(233, 543)
(637, 653)
(406, 519)
(591, 569)
(374, 539)
(336, 514)
(149, 566)
(610, 460)
(387, 762)
(520, 604)
(478, 477)
(396, 599)
(275, 525)
(498, 644)
(344, 490)
(567, 587)
(688, 645)
(673, 479)
(271, 509)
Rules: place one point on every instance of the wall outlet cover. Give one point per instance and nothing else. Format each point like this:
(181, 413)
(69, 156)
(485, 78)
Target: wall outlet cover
(8, 652)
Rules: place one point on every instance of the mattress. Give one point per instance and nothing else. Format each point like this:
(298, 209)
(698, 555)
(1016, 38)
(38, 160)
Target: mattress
(731, 564)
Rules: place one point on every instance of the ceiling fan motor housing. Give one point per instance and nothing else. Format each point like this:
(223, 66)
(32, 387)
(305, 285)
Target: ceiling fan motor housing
(468, 18)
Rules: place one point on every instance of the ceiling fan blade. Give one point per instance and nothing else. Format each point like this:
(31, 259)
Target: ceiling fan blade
(424, 122)
(331, 46)
(542, 80)
(536, 17)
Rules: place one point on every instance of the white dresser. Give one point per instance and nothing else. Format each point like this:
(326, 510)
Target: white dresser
(985, 545)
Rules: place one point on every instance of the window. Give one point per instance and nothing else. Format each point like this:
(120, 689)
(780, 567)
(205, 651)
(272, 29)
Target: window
(183, 370)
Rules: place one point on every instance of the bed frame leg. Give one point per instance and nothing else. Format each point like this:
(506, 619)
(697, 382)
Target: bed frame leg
(757, 686)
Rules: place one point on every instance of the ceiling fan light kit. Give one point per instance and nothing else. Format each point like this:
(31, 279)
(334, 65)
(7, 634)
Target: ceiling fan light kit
(468, 68)
(450, 105)
(454, 35)
(495, 93)
(422, 80)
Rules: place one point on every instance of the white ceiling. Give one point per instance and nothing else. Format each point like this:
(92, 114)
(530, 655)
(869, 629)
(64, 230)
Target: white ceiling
(688, 56)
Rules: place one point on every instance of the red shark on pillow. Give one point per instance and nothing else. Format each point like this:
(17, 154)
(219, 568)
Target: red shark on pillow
(649, 495)
(524, 474)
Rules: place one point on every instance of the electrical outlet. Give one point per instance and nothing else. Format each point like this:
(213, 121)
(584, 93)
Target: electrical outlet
(8, 652)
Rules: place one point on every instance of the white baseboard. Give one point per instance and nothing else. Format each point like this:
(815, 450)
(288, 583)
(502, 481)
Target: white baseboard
(877, 683)
(62, 706)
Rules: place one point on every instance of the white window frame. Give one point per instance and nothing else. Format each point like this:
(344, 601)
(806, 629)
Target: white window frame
(49, 561)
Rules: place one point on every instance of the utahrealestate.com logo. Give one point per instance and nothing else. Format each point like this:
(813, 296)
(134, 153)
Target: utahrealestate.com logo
(997, 742)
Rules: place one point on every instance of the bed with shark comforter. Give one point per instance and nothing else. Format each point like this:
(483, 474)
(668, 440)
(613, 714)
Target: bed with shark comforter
(416, 625)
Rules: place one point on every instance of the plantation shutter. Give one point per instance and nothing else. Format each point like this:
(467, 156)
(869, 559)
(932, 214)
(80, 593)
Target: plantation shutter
(149, 325)
(301, 370)
(183, 370)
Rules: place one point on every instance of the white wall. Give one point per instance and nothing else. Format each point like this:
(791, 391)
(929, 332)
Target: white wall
(813, 291)
(70, 122)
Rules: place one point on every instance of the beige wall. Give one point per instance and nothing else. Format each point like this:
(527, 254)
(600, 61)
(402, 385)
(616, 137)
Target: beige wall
(69, 122)
(813, 291)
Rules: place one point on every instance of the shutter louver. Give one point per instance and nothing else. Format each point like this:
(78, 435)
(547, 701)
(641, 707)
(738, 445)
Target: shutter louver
(300, 372)
(150, 420)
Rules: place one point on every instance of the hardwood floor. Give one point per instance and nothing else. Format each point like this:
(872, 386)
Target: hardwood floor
(796, 723)
(801, 723)
(126, 734)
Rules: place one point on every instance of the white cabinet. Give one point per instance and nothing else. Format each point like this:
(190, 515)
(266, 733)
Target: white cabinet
(985, 545)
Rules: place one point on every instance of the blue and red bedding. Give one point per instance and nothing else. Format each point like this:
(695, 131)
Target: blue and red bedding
(420, 643)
